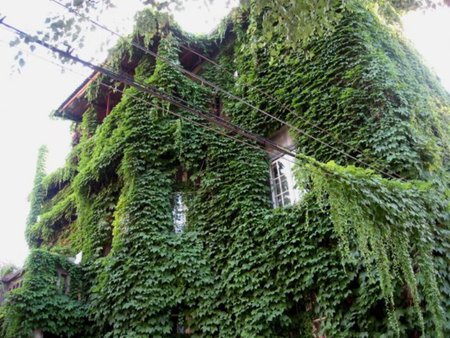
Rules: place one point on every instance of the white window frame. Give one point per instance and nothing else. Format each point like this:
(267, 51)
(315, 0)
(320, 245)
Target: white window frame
(284, 188)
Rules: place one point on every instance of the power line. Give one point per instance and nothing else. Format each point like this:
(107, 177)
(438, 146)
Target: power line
(161, 95)
(253, 146)
(231, 95)
(204, 126)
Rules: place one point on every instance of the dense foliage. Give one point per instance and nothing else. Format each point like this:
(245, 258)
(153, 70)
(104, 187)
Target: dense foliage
(312, 18)
(360, 255)
(43, 302)
(37, 195)
(4, 270)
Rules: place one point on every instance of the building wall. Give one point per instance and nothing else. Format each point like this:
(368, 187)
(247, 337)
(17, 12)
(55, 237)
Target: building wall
(241, 267)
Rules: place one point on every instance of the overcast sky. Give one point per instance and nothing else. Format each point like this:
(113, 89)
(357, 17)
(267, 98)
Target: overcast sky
(27, 99)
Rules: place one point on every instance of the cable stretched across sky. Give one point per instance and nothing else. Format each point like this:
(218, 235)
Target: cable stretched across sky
(178, 102)
(157, 107)
(233, 96)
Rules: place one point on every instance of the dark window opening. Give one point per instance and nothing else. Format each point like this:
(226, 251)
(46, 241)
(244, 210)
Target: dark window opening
(14, 285)
(76, 136)
(107, 248)
(217, 105)
(63, 282)
(180, 325)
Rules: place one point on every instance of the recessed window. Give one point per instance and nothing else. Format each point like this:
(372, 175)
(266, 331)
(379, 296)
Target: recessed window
(217, 105)
(180, 325)
(63, 282)
(284, 189)
(179, 213)
(106, 248)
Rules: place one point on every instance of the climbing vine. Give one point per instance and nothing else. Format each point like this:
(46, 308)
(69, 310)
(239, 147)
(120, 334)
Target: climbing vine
(44, 302)
(360, 255)
(389, 222)
(37, 194)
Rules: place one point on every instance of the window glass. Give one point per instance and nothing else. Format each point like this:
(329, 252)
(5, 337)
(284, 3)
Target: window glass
(179, 213)
(284, 189)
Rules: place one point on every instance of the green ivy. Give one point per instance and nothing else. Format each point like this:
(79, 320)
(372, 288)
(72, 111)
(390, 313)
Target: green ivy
(37, 195)
(360, 255)
(41, 303)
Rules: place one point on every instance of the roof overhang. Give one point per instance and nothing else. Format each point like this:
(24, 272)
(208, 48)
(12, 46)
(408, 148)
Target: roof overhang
(76, 104)
(12, 276)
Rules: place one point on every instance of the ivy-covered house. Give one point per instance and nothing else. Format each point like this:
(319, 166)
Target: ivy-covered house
(10, 281)
(189, 228)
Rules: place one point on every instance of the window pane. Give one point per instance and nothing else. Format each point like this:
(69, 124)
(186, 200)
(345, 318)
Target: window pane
(274, 170)
(281, 167)
(277, 187)
(179, 213)
(285, 167)
(286, 198)
(284, 184)
(279, 201)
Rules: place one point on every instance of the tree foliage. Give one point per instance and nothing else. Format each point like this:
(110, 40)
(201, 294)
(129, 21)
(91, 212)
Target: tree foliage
(298, 21)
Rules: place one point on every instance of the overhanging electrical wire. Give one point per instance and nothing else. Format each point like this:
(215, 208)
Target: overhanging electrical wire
(214, 119)
(272, 147)
(197, 123)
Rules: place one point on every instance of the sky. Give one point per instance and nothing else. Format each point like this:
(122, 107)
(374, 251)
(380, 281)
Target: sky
(28, 98)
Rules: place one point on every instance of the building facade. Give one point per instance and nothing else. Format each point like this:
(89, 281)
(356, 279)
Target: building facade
(186, 228)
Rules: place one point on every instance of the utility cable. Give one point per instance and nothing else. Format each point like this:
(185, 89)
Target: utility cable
(148, 103)
(158, 94)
